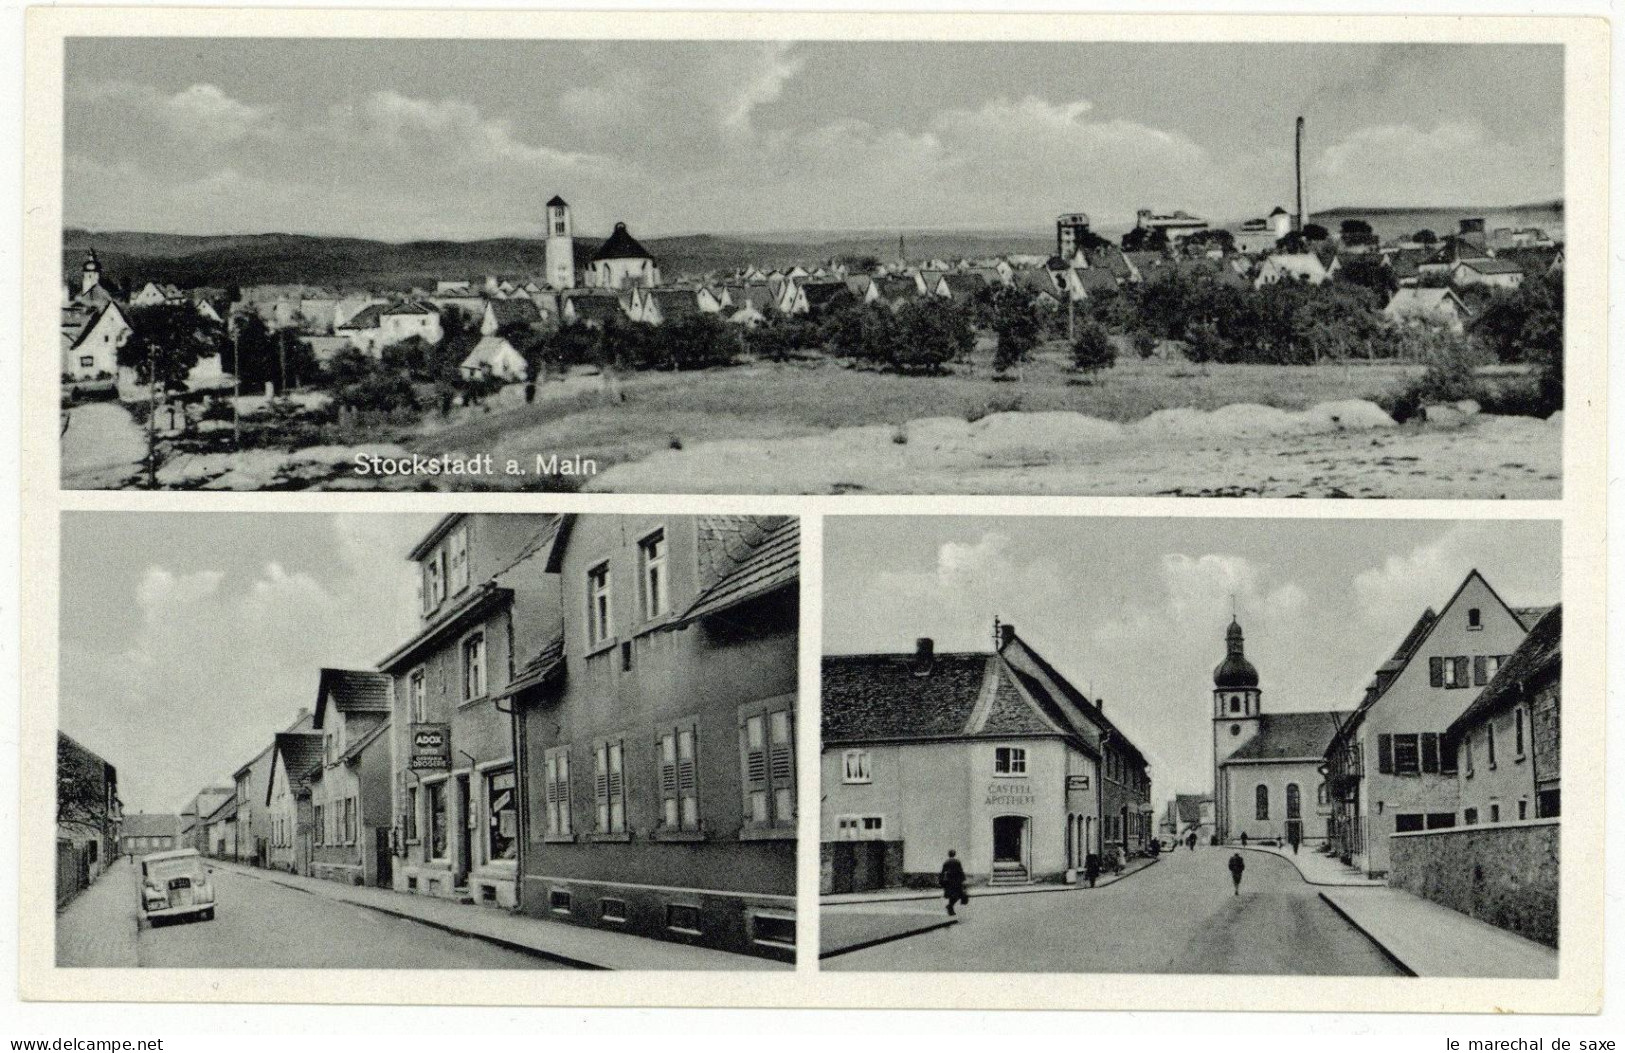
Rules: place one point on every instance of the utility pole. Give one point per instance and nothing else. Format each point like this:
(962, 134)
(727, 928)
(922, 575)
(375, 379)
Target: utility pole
(152, 419)
(236, 387)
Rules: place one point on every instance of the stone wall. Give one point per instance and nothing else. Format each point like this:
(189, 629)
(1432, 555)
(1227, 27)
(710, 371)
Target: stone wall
(1502, 873)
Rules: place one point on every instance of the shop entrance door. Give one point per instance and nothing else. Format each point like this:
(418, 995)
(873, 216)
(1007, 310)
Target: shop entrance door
(1010, 848)
(465, 845)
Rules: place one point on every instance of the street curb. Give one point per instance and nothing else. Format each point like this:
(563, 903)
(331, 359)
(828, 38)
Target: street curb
(498, 941)
(1306, 879)
(864, 945)
(1361, 929)
(1078, 887)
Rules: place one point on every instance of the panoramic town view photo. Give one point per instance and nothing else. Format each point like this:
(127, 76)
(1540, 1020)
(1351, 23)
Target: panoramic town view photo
(1270, 270)
(1095, 745)
(483, 741)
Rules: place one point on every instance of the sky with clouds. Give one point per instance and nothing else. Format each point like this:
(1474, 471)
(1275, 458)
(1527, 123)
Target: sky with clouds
(189, 640)
(413, 139)
(1135, 610)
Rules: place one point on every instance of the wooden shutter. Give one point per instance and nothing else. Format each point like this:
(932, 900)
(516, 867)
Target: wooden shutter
(666, 760)
(1430, 752)
(1385, 754)
(782, 759)
(1461, 671)
(600, 783)
(753, 760)
(1436, 672)
(1479, 679)
(687, 773)
(1447, 757)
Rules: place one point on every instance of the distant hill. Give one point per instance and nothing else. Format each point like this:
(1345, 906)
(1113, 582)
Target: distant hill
(1389, 222)
(251, 259)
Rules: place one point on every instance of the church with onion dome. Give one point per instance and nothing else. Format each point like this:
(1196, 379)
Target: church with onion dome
(1267, 779)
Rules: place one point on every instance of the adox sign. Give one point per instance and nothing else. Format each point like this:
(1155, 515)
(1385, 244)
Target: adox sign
(431, 747)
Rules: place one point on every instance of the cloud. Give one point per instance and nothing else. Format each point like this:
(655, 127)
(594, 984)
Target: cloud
(1466, 163)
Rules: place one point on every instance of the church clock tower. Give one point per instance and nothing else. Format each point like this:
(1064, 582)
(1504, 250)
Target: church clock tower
(561, 252)
(1237, 706)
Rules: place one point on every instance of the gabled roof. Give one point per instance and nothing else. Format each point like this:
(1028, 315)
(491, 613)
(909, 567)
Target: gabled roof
(868, 697)
(1095, 279)
(352, 691)
(1538, 657)
(1491, 266)
(1188, 806)
(301, 754)
(150, 824)
(621, 246)
(355, 749)
(545, 668)
(227, 809)
(819, 293)
(519, 310)
(675, 303)
(1290, 736)
(369, 317)
(485, 597)
(557, 201)
(773, 562)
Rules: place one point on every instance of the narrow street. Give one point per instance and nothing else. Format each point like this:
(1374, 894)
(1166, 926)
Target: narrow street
(263, 925)
(1178, 916)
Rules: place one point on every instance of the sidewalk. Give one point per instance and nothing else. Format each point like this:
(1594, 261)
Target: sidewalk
(573, 945)
(98, 929)
(1426, 939)
(898, 895)
(1318, 869)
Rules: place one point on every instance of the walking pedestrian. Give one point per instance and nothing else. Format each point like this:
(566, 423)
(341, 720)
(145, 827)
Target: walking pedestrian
(952, 878)
(1237, 865)
(1244, 838)
(1091, 869)
(1190, 840)
(1293, 836)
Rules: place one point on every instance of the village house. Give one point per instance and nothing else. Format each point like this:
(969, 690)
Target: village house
(1435, 307)
(594, 308)
(484, 602)
(993, 755)
(376, 326)
(295, 756)
(1389, 770)
(1291, 266)
(253, 815)
(657, 306)
(1500, 863)
(1189, 813)
(1267, 784)
(143, 832)
(195, 814)
(91, 338)
(621, 262)
(220, 830)
(152, 294)
(351, 809)
(656, 733)
(1491, 273)
(495, 357)
(499, 315)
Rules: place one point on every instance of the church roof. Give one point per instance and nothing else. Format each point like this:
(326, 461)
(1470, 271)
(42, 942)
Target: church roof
(1290, 736)
(621, 246)
(557, 201)
(1235, 670)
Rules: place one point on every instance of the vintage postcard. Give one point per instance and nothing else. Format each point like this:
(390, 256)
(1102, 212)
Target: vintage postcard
(725, 508)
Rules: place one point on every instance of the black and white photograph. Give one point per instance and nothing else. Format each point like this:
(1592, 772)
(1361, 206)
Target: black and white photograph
(807, 266)
(1240, 746)
(483, 741)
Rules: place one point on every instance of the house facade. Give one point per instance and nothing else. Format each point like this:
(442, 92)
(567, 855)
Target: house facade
(656, 732)
(484, 602)
(89, 816)
(144, 832)
(350, 806)
(992, 755)
(295, 756)
(1389, 771)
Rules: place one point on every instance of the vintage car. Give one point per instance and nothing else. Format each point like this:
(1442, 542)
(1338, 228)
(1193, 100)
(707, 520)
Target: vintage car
(176, 884)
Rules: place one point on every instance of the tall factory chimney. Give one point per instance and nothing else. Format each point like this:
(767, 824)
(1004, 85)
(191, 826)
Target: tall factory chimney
(1301, 218)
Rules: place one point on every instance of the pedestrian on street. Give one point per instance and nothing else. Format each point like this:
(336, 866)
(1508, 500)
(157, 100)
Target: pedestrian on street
(1244, 837)
(1237, 865)
(952, 878)
(1190, 840)
(1091, 869)
(1293, 836)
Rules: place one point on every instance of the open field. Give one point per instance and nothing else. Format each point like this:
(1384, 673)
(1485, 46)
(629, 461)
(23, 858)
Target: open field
(1157, 426)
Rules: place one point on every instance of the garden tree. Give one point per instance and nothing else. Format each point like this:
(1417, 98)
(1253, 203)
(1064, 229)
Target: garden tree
(1425, 237)
(1292, 242)
(1315, 232)
(1145, 239)
(1203, 343)
(167, 341)
(1016, 323)
(1358, 228)
(698, 341)
(1092, 350)
(566, 346)
(1089, 241)
(1524, 325)
(1199, 243)
(1368, 271)
(1112, 308)
(81, 790)
(928, 336)
(414, 356)
(865, 332)
(269, 356)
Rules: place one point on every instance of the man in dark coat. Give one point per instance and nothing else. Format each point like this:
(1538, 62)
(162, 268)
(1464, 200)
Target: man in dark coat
(1190, 840)
(952, 878)
(1237, 865)
(1091, 869)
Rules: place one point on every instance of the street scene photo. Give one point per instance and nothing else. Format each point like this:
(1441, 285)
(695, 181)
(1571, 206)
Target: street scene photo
(813, 267)
(1185, 745)
(405, 741)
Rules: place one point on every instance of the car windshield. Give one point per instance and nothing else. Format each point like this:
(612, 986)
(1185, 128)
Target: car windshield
(172, 868)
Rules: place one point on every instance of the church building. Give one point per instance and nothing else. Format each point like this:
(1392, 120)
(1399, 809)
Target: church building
(622, 262)
(1267, 779)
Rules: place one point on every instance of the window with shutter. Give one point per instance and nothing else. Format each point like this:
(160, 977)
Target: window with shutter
(666, 751)
(753, 747)
(1461, 672)
(1479, 679)
(1436, 672)
(782, 766)
(617, 789)
(1447, 757)
(688, 777)
(600, 784)
(1430, 752)
(767, 758)
(1385, 754)
(1406, 759)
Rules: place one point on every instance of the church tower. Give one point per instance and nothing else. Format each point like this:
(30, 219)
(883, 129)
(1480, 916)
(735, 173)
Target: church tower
(1237, 706)
(91, 274)
(561, 251)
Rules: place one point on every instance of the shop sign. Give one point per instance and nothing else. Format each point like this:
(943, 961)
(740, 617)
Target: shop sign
(431, 747)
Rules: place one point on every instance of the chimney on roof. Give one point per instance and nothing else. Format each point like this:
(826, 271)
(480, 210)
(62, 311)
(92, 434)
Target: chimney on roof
(1007, 633)
(1100, 704)
(925, 652)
